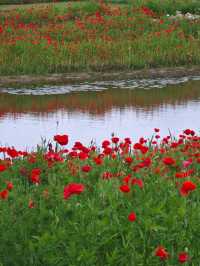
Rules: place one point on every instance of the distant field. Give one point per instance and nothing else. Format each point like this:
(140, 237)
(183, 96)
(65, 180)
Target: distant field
(169, 6)
(93, 36)
(5, 7)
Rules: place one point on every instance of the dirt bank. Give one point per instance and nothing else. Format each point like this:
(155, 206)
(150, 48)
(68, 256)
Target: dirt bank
(72, 78)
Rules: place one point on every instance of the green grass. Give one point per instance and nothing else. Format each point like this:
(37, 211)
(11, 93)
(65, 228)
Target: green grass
(89, 36)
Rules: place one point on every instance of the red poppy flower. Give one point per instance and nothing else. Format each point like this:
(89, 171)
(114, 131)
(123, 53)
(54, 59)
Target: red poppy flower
(169, 161)
(187, 187)
(61, 139)
(139, 182)
(4, 194)
(115, 140)
(107, 151)
(132, 217)
(156, 130)
(137, 146)
(162, 253)
(144, 149)
(73, 188)
(10, 186)
(183, 257)
(86, 168)
(105, 143)
(146, 162)
(35, 179)
(31, 204)
(128, 160)
(124, 188)
(73, 154)
(83, 156)
(36, 171)
(142, 140)
(127, 178)
(85, 149)
(127, 140)
(2, 167)
(98, 160)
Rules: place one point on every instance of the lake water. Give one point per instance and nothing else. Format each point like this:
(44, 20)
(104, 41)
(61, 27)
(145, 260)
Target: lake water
(93, 111)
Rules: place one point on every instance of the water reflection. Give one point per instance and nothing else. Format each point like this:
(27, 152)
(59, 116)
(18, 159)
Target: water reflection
(87, 115)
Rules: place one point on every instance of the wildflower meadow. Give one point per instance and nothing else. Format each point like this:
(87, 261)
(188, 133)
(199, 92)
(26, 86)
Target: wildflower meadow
(122, 203)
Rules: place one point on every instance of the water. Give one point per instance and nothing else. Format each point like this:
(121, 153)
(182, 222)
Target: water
(93, 111)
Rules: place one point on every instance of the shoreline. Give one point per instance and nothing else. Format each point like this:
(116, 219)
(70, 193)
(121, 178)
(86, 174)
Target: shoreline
(77, 77)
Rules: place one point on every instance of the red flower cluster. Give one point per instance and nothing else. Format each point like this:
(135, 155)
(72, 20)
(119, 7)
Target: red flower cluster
(163, 255)
(189, 132)
(35, 175)
(184, 173)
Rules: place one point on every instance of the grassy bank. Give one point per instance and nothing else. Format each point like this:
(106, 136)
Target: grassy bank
(126, 204)
(92, 36)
